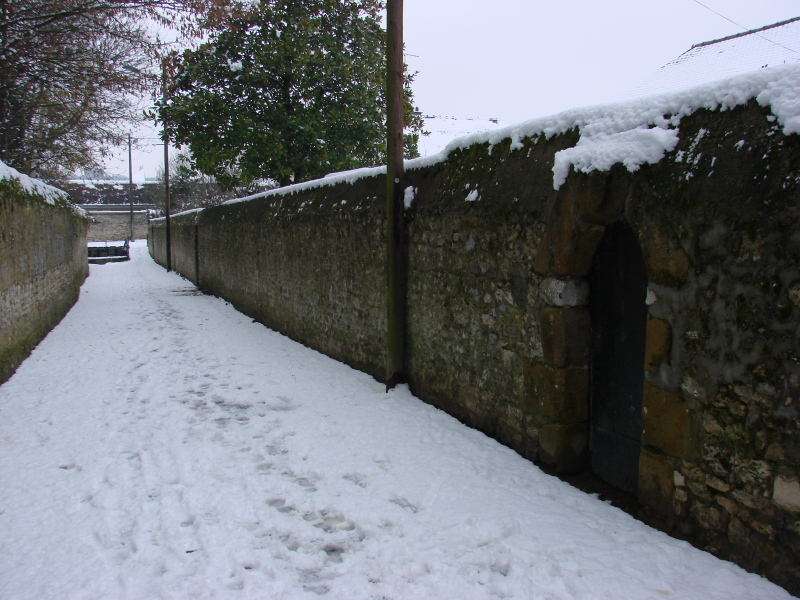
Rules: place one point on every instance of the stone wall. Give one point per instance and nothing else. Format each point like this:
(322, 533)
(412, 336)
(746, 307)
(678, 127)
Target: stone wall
(472, 295)
(42, 266)
(183, 228)
(315, 274)
(500, 332)
(157, 242)
(116, 225)
(717, 223)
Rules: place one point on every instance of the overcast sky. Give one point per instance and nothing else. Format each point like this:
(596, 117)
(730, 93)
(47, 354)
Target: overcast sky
(514, 60)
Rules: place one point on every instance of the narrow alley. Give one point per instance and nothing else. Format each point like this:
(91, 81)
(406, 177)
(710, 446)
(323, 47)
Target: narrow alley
(160, 444)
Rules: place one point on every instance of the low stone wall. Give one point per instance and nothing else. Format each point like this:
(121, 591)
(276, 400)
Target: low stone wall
(503, 325)
(116, 225)
(42, 266)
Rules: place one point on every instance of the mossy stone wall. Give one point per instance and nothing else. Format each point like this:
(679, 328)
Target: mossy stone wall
(718, 223)
(157, 241)
(498, 321)
(184, 248)
(42, 266)
(473, 298)
(309, 265)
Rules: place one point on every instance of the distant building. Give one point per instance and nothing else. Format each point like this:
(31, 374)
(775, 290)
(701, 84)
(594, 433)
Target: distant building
(769, 46)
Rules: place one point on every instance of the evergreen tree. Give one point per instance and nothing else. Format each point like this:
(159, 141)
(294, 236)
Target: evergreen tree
(290, 91)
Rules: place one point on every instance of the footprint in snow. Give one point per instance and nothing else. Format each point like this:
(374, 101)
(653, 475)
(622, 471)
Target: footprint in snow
(334, 552)
(280, 505)
(188, 522)
(403, 503)
(276, 450)
(306, 483)
(501, 568)
(329, 522)
(359, 480)
(286, 404)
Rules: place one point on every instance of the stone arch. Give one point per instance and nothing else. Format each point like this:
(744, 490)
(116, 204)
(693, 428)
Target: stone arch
(557, 385)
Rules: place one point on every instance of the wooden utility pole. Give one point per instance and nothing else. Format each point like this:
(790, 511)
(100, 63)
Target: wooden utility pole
(167, 207)
(130, 184)
(395, 217)
(166, 198)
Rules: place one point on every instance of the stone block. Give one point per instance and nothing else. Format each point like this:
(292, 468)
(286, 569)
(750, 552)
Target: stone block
(656, 482)
(598, 197)
(740, 536)
(567, 251)
(557, 394)
(717, 484)
(564, 446)
(567, 248)
(658, 344)
(710, 518)
(565, 336)
(786, 493)
(667, 263)
(564, 292)
(668, 424)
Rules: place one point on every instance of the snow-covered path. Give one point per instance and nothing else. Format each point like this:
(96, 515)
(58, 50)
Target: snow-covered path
(159, 444)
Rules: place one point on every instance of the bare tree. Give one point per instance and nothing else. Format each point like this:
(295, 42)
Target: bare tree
(73, 74)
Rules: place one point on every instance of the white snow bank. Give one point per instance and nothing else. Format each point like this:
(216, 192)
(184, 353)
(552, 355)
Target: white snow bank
(633, 132)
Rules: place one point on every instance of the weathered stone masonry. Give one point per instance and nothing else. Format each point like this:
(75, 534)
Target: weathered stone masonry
(499, 326)
(116, 225)
(42, 266)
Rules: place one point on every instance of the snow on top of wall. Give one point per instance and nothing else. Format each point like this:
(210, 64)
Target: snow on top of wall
(31, 185)
(633, 132)
(603, 150)
(642, 130)
(190, 211)
(330, 179)
(48, 193)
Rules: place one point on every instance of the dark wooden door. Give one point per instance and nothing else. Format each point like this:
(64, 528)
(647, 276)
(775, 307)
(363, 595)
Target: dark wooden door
(618, 288)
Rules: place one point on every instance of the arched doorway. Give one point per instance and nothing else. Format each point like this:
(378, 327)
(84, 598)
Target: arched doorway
(618, 288)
